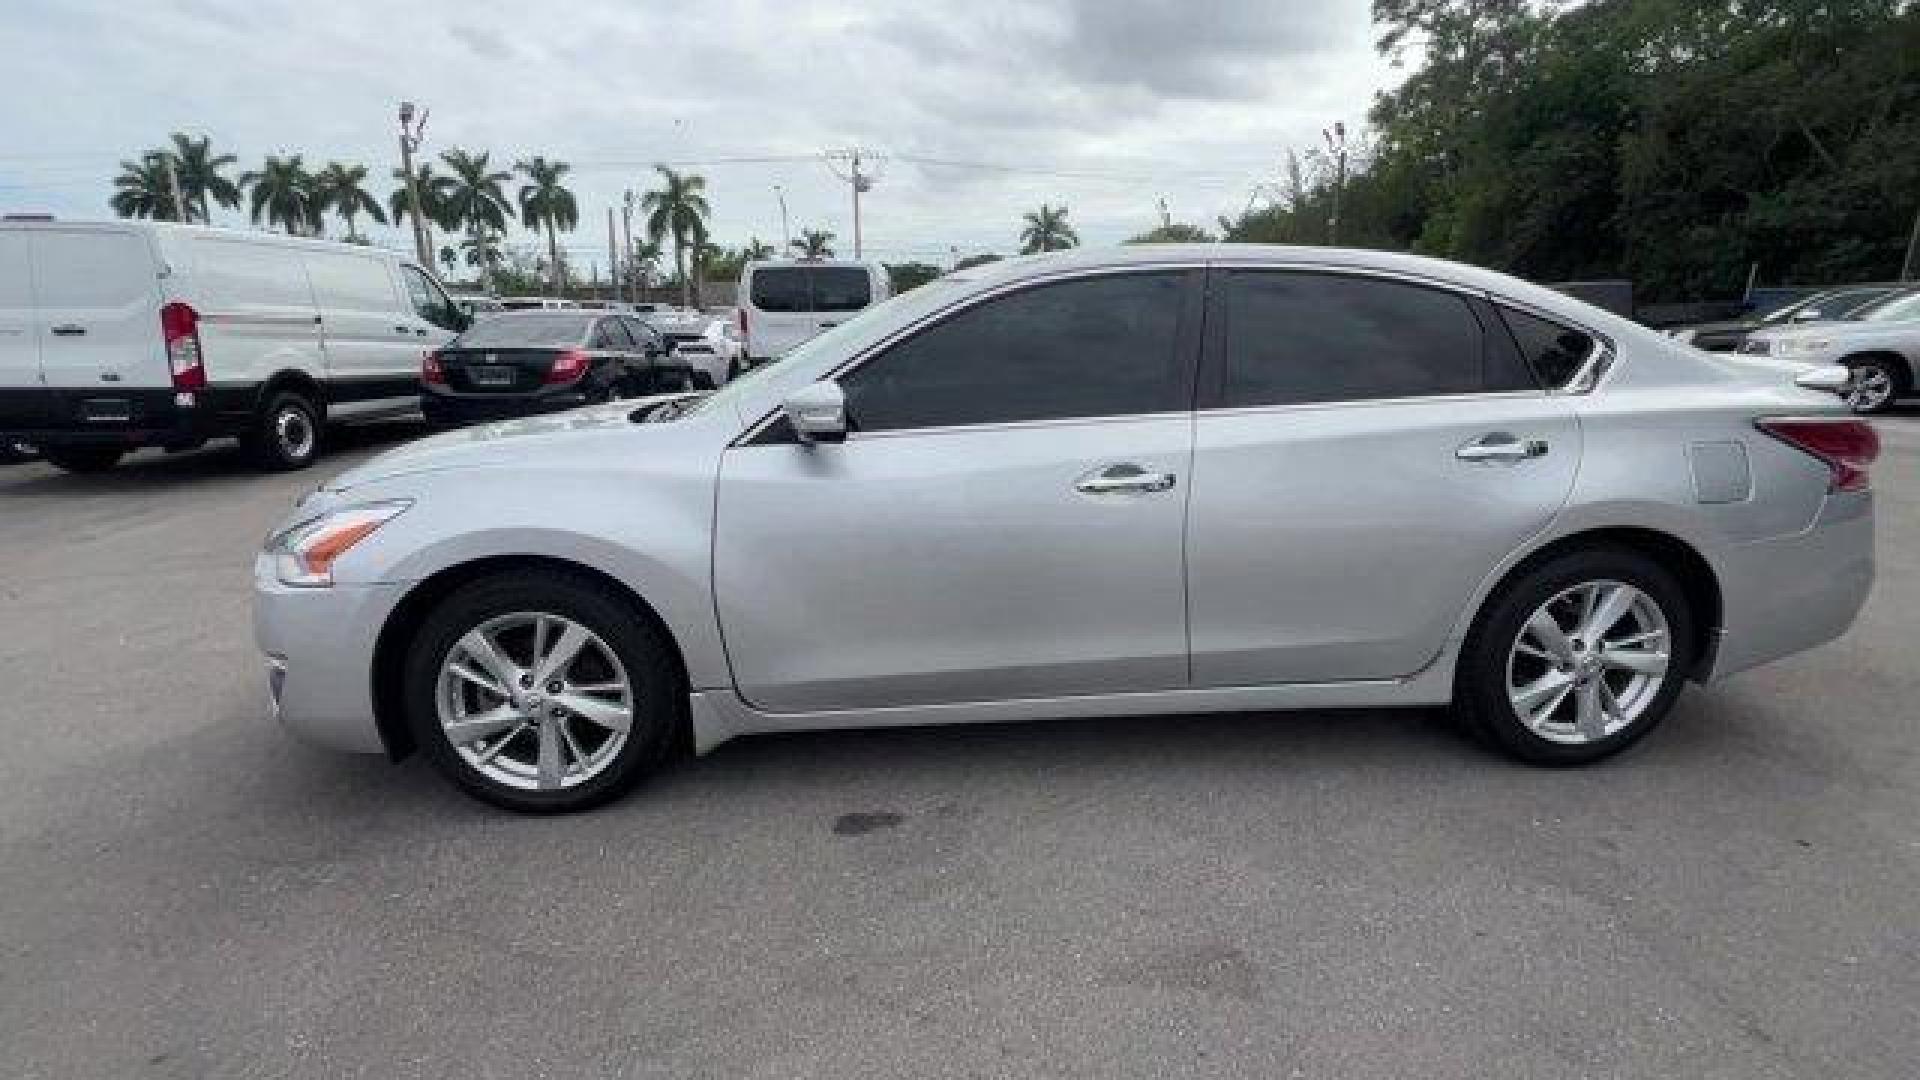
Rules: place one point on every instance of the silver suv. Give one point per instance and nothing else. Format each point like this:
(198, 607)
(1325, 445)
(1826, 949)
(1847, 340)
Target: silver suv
(1158, 480)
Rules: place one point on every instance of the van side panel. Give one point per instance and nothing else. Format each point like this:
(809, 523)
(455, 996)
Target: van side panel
(21, 403)
(257, 316)
(371, 338)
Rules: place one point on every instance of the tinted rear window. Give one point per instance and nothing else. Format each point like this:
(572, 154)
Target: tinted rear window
(1556, 352)
(812, 288)
(520, 329)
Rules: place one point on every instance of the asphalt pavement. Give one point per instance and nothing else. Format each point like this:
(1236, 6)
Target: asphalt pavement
(187, 892)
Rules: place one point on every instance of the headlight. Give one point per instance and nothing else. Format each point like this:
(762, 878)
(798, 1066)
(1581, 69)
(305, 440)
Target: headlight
(1789, 346)
(304, 553)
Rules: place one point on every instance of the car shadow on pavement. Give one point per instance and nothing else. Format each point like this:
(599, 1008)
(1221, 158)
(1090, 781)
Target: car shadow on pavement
(220, 460)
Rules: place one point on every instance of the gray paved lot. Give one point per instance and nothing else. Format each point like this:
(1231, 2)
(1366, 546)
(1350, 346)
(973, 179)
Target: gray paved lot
(185, 892)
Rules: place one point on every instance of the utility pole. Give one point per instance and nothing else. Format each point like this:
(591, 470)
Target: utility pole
(626, 227)
(786, 233)
(860, 182)
(1337, 146)
(1166, 219)
(410, 134)
(173, 186)
(613, 257)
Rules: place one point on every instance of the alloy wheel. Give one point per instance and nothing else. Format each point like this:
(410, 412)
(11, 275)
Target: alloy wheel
(293, 429)
(535, 701)
(1869, 388)
(1588, 662)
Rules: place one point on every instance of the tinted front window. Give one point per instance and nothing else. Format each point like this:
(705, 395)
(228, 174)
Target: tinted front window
(780, 288)
(1896, 308)
(1556, 352)
(1294, 338)
(1094, 347)
(841, 288)
(526, 330)
(428, 301)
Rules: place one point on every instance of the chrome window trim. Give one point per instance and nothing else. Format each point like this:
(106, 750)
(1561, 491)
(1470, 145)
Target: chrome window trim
(1374, 403)
(1402, 276)
(1592, 371)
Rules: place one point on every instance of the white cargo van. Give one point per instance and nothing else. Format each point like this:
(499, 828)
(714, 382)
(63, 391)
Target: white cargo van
(785, 302)
(117, 335)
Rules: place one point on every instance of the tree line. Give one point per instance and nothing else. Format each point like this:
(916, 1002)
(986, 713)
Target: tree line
(1678, 143)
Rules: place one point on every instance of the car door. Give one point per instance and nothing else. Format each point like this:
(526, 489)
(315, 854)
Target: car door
(622, 359)
(1367, 450)
(1003, 521)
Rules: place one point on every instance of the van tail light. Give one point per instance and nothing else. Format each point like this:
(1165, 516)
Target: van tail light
(567, 367)
(431, 371)
(180, 327)
(1845, 445)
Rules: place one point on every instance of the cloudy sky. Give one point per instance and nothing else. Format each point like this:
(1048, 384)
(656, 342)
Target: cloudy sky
(978, 109)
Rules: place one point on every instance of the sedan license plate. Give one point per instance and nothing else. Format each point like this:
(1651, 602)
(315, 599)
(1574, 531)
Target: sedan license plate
(491, 376)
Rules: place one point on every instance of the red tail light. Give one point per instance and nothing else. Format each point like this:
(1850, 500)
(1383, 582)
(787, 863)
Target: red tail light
(180, 326)
(568, 366)
(1847, 446)
(431, 372)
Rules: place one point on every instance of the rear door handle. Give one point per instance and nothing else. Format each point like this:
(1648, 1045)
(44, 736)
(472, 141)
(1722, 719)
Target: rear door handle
(1124, 476)
(403, 329)
(69, 330)
(1497, 446)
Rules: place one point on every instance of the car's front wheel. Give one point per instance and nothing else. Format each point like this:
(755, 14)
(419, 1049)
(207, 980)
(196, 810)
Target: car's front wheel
(1576, 658)
(539, 692)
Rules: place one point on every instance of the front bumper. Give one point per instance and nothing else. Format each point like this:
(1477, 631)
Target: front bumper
(319, 647)
(1787, 594)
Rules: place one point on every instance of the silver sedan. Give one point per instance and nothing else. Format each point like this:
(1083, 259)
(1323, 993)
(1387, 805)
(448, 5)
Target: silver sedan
(1153, 481)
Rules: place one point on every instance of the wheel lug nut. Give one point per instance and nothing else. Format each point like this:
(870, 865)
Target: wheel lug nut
(556, 686)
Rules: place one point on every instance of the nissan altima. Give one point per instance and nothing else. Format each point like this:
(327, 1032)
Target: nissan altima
(1152, 481)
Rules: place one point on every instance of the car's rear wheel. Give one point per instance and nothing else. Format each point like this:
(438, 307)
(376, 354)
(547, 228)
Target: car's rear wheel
(285, 434)
(1576, 658)
(1874, 385)
(540, 693)
(82, 459)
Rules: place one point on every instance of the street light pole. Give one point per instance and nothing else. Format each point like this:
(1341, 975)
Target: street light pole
(1913, 246)
(786, 233)
(626, 231)
(409, 142)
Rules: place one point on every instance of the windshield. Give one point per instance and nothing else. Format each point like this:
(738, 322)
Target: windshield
(516, 330)
(924, 299)
(1896, 308)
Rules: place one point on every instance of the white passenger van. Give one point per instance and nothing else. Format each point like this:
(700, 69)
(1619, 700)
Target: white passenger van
(785, 302)
(117, 335)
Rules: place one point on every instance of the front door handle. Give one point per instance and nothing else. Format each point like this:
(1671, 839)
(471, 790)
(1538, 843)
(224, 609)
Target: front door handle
(1123, 477)
(1501, 446)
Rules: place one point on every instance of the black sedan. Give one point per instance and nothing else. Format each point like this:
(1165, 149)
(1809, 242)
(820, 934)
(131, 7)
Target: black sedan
(518, 363)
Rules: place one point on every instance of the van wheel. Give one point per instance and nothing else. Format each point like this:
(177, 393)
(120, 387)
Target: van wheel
(83, 459)
(285, 434)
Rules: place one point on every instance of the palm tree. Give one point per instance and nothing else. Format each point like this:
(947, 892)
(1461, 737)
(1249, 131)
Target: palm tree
(484, 251)
(678, 208)
(433, 193)
(544, 203)
(342, 189)
(449, 258)
(281, 191)
(755, 249)
(141, 190)
(814, 244)
(473, 197)
(198, 169)
(1047, 230)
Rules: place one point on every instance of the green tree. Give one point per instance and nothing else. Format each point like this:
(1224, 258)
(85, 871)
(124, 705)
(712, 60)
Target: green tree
(911, 275)
(678, 208)
(202, 175)
(1046, 229)
(342, 189)
(280, 193)
(545, 203)
(433, 198)
(814, 244)
(756, 249)
(449, 258)
(1177, 232)
(484, 251)
(141, 191)
(473, 198)
(972, 261)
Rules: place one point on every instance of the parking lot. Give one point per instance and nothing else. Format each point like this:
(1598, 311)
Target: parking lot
(184, 891)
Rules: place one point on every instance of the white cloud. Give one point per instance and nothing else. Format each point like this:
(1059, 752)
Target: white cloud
(981, 109)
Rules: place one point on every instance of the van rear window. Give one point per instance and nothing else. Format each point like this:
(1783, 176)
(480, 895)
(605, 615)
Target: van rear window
(812, 288)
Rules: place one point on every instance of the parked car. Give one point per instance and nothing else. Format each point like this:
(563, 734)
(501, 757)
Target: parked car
(1879, 344)
(536, 303)
(518, 363)
(784, 303)
(1822, 306)
(710, 346)
(476, 305)
(1097, 483)
(137, 333)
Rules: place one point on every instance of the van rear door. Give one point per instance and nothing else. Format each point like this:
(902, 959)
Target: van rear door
(21, 399)
(98, 324)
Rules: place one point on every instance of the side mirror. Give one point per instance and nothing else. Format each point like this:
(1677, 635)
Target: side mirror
(818, 413)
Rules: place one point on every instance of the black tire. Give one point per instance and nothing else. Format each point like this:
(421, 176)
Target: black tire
(703, 381)
(82, 459)
(285, 434)
(658, 691)
(1481, 700)
(1896, 379)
